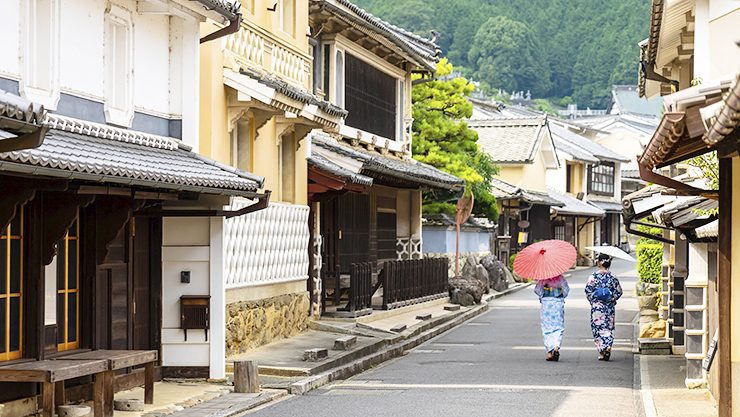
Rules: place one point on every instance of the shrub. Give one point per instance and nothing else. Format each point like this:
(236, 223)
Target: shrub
(511, 262)
(649, 258)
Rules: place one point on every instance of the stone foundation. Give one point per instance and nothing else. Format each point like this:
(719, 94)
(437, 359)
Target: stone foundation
(250, 324)
(451, 259)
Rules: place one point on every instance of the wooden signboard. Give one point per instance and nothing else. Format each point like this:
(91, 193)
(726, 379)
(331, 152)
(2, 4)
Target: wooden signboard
(707, 362)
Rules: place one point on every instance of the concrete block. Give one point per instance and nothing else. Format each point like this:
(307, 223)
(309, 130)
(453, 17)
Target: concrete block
(654, 346)
(424, 316)
(345, 343)
(74, 411)
(128, 405)
(452, 307)
(313, 355)
(398, 328)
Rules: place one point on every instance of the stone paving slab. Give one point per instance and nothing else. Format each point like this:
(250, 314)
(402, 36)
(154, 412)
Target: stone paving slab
(231, 405)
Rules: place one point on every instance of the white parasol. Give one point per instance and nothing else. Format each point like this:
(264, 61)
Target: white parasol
(612, 251)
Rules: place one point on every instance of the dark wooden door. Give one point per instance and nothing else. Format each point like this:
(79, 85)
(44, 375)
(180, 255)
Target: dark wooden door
(353, 222)
(113, 299)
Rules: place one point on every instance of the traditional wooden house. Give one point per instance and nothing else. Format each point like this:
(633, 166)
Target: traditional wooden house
(525, 150)
(593, 173)
(94, 252)
(257, 107)
(363, 185)
(691, 40)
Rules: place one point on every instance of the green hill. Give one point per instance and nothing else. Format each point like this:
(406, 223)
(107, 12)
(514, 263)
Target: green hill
(555, 48)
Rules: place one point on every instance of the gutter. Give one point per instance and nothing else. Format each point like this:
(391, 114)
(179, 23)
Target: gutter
(263, 201)
(234, 17)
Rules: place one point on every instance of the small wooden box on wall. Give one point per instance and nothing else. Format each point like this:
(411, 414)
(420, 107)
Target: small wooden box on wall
(195, 313)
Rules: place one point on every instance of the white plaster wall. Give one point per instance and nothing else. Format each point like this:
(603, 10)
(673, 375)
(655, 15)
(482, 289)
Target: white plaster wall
(555, 178)
(724, 53)
(185, 247)
(81, 48)
(165, 57)
(151, 63)
(10, 34)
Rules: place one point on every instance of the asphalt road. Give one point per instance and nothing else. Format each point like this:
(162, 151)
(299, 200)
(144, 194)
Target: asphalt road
(494, 365)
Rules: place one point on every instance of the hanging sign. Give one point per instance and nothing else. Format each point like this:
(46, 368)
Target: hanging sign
(523, 224)
(707, 362)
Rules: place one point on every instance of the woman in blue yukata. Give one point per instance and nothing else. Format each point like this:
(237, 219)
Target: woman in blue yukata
(602, 291)
(552, 293)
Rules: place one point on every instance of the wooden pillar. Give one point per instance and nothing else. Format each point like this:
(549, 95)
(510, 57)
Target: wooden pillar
(246, 378)
(724, 287)
(34, 285)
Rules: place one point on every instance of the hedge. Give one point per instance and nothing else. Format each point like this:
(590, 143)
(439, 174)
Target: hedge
(649, 258)
(511, 261)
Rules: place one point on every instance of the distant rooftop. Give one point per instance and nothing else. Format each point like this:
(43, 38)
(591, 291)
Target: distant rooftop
(626, 100)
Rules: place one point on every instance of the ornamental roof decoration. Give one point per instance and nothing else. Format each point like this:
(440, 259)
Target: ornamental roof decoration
(227, 8)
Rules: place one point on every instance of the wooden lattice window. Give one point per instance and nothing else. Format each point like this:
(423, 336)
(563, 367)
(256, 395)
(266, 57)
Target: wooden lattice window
(601, 179)
(68, 284)
(11, 289)
(370, 98)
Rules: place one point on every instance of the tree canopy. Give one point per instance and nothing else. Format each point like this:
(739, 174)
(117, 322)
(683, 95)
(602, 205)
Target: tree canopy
(585, 46)
(442, 139)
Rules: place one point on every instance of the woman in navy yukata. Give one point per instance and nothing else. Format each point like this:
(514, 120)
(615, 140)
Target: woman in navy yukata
(602, 291)
(552, 293)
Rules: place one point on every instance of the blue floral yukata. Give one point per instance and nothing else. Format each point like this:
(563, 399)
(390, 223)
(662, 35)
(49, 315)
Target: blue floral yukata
(552, 293)
(602, 312)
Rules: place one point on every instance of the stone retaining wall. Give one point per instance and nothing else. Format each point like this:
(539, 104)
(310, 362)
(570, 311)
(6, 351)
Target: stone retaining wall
(451, 258)
(250, 324)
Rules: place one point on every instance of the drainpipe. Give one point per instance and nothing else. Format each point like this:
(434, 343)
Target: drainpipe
(233, 27)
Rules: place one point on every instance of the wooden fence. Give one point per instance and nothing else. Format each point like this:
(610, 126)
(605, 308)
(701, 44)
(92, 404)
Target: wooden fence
(413, 281)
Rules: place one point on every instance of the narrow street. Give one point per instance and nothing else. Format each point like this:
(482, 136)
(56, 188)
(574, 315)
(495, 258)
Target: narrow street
(494, 365)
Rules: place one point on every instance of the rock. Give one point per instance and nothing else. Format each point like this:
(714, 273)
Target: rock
(74, 411)
(652, 330)
(509, 276)
(128, 405)
(648, 317)
(468, 270)
(482, 275)
(465, 290)
(312, 355)
(646, 288)
(647, 302)
(498, 274)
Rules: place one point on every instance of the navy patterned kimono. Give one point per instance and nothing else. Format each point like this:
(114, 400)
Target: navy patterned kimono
(552, 293)
(602, 312)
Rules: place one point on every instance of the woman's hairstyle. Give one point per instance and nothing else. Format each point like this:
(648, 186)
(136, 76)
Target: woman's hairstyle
(605, 260)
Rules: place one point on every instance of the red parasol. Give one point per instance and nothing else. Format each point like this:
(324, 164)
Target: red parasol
(545, 259)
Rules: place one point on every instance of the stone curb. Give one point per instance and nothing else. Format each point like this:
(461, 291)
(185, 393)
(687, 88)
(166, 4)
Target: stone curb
(238, 409)
(365, 363)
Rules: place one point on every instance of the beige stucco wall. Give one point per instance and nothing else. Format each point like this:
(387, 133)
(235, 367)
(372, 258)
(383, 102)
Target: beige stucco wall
(531, 176)
(624, 144)
(214, 137)
(724, 54)
(269, 21)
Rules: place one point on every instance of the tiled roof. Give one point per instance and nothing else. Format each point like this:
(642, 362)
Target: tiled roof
(20, 109)
(510, 140)
(586, 145)
(680, 212)
(573, 206)
(577, 153)
(294, 93)
(424, 51)
(631, 173)
(227, 8)
(503, 190)
(708, 230)
(627, 99)
(137, 161)
(607, 206)
(484, 110)
(442, 219)
(374, 165)
(319, 162)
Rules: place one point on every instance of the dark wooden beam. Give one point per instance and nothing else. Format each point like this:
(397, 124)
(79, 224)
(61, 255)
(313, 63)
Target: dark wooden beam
(34, 282)
(60, 211)
(725, 288)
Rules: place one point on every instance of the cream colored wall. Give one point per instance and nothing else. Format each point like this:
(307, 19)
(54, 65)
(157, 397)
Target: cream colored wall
(269, 21)
(531, 176)
(585, 237)
(624, 144)
(724, 54)
(214, 135)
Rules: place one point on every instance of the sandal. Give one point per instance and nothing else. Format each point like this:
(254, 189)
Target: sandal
(607, 355)
(556, 355)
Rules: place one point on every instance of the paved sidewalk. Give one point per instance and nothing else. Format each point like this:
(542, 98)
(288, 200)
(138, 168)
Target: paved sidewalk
(664, 391)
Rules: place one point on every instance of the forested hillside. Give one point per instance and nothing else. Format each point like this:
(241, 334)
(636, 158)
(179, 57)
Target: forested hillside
(555, 48)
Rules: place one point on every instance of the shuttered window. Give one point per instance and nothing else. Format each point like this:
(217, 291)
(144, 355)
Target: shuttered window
(11, 288)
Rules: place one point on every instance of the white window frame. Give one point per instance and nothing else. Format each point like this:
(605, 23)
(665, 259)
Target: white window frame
(33, 32)
(282, 17)
(121, 115)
